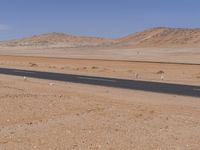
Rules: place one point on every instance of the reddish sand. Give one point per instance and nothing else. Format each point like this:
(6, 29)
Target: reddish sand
(39, 114)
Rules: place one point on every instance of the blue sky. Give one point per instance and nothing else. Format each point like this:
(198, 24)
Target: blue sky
(103, 18)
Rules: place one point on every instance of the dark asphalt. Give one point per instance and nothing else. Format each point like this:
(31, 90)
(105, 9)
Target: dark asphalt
(177, 89)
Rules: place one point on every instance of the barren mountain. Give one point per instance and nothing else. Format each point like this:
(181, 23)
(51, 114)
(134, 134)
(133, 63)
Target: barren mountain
(155, 37)
(56, 40)
(162, 37)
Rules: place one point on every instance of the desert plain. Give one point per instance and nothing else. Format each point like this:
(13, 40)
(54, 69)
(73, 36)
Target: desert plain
(51, 115)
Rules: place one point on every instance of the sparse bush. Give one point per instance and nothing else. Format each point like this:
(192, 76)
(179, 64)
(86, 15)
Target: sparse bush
(160, 72)
(33, 65)
(94, 67)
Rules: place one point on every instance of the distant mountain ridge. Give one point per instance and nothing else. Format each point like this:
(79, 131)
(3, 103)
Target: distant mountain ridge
(155, 37)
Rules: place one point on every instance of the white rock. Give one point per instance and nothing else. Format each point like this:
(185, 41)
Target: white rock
(34, 147)
(25, 78)
(162, 77)
(51, 84)
(136, 75)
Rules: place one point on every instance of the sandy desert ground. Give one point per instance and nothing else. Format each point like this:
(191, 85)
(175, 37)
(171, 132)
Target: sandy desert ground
(38, 115)
(181, 55)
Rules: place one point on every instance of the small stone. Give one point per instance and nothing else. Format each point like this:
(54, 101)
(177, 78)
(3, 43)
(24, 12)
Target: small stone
(136, 75)
(51, 84)
(34, 147)
(25, 78)
(162, 77)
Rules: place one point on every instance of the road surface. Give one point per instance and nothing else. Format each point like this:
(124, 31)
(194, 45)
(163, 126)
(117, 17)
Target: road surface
(168, 88)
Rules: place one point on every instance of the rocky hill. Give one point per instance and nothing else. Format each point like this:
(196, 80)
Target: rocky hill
(162, 37)
(155, 37)
(56, 40)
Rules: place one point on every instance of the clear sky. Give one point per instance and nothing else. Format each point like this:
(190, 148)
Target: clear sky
(103, 18)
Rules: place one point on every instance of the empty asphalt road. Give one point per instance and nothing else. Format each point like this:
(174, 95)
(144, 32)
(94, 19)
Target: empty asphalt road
(168, 88)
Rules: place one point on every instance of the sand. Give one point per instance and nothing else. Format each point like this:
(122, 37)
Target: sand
(35, 114)
(181, 55)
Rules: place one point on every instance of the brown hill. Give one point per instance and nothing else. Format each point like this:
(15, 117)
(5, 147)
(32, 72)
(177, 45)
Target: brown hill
(155, 37)
(56, 40)
(162, 37)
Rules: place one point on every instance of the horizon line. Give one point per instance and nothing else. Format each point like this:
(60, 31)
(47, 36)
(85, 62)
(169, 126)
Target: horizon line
(101, 37)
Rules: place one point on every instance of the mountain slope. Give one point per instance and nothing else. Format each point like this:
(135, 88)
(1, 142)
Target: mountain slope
(155, 37)
(162, 37)
(56, 40)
